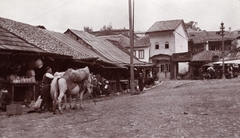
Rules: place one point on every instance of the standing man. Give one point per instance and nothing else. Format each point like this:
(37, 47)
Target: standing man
(46, 80)
(141, 82)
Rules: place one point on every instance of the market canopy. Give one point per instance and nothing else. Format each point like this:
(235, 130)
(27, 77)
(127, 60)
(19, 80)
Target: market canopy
(237, 61)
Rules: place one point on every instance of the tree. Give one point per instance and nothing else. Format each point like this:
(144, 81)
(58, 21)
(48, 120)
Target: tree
(192, 25)
(87, 29)
(107, 28)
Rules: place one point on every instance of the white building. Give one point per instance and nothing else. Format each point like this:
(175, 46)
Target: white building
(167, 38)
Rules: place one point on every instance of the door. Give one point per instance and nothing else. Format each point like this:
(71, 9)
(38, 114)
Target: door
(164, 71)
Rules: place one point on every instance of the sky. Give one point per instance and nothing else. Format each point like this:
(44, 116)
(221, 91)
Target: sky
(59, 15)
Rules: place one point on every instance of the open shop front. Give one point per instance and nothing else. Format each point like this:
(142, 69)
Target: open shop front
(21, 74)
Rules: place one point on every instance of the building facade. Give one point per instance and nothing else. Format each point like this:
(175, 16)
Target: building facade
(167, 38)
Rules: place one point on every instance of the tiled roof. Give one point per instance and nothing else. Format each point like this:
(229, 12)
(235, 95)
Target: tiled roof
(203, 36)
(206, 55)
(142, 42)
(214, 36)
(164, 26)
(105, 48)
(40, 38)
(10, 41)
(198, 37)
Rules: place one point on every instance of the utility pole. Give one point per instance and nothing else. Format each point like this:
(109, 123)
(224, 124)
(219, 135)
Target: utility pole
(222, 34)
(131, 47)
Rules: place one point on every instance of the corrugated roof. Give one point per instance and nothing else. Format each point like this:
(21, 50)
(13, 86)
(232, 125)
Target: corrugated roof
(105, 48)
(86, 53)
(164, 26)
(40, 38)
(77, 46)
(232, 56)
(9, 41)
(125, 41)
(205, 55)
(120, 39)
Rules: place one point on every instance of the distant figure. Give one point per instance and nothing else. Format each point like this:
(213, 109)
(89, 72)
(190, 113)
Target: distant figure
(200, 72)
(96, 90)
(230, 71)
(141, 82)
(46, 97)
(211, 71)
(5, 98)
(105, 88)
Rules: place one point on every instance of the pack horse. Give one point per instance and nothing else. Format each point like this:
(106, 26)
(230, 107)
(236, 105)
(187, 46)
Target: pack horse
(72, 82)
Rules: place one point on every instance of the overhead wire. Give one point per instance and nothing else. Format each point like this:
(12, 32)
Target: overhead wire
(185, 12)
(179, 12)
(50, 11)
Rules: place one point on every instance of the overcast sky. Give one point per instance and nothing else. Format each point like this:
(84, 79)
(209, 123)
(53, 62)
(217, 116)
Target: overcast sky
(59, 15)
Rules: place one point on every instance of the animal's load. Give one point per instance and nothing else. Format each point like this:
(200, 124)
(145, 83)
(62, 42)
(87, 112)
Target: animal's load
(80, 74)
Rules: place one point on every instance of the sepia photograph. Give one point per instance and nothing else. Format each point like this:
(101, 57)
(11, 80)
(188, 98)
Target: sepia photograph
(119, 68)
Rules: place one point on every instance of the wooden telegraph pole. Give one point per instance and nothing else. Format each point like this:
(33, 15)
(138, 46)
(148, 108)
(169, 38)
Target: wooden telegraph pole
(131, 47)
(223, 65)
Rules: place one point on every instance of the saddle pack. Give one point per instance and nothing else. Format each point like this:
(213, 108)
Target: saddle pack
(74, 77)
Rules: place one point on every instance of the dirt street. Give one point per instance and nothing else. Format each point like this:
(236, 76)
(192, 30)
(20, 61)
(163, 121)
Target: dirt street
(174, 109)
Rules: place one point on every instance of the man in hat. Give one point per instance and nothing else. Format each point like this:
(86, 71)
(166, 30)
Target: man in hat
(46, 82)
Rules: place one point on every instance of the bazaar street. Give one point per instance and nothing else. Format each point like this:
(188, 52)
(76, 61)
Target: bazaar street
(178, 108)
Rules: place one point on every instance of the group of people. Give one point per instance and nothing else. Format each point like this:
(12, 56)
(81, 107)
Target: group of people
(215, 72)
(100, 88)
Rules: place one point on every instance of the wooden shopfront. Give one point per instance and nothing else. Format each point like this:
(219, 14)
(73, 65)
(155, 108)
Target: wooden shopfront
(21, 72)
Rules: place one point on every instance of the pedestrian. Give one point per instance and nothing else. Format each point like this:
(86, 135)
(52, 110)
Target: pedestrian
(230, 71)
(105, 88)
(5, 99)
(46, 82)
(141, 82)
(96, 90)
(211, 71)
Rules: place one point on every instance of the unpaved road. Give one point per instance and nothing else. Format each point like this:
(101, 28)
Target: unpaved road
(174, 109)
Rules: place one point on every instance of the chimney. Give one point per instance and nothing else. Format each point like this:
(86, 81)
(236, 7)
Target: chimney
(229, 29)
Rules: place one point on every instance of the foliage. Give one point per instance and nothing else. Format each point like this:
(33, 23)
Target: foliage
(87, 29)
(107, 28)
(192, 25)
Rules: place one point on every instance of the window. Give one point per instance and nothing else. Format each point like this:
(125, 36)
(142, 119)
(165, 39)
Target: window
(156, 45)
(141, 54)
(166, 45)
(134, 52)
(162, 68)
